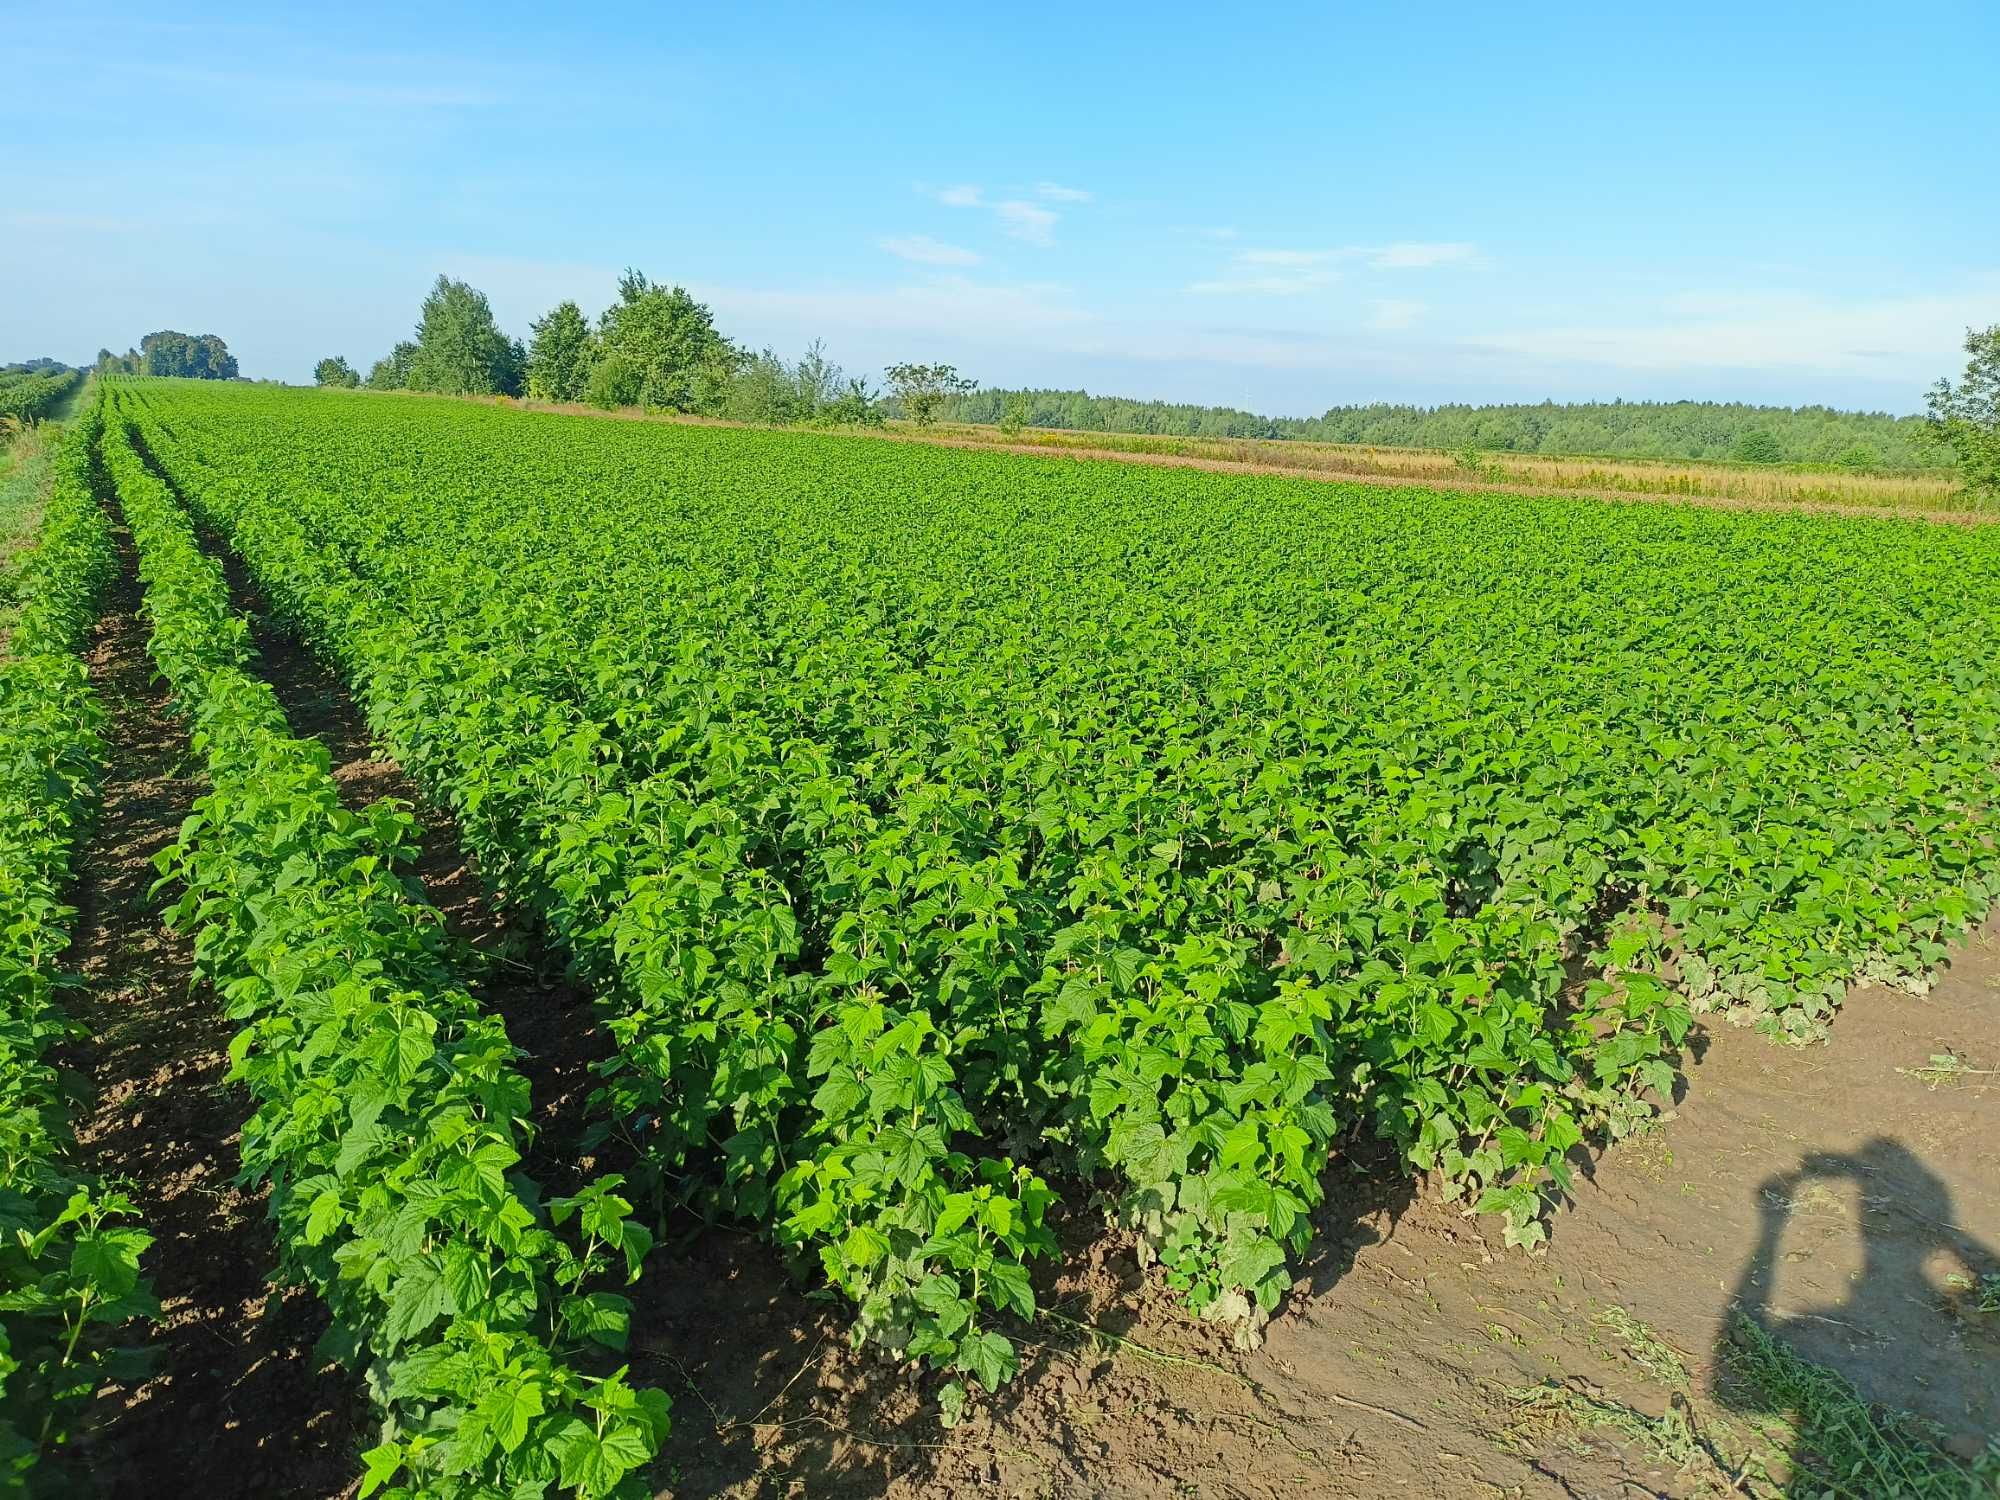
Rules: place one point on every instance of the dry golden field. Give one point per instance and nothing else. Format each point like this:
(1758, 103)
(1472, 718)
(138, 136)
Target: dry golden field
(1922, 490)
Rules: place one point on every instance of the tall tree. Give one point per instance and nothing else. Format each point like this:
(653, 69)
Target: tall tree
(189, 356)
(670, 355)
(922, 389)
(460, 349)
(335, 371)
(560, 355)
(392, 371)
(1966, 417)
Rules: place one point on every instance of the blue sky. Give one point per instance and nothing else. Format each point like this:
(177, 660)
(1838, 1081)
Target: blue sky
(1280, 208)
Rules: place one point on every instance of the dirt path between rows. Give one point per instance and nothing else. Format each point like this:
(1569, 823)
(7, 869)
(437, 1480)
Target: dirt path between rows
(233, 1404)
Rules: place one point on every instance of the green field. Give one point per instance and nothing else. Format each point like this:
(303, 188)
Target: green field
(945, 835)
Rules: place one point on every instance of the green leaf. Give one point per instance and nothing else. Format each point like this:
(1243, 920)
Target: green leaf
(988, 1357)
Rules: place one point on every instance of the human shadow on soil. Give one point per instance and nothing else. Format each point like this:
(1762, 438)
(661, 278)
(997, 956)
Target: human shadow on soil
(1898, 1327)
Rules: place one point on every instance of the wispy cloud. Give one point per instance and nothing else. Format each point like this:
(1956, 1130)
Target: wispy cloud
(1287, 257)
(926, 251)
(1883, 337)
(1420, 255)
(1022, 218)
(1270, 284)
(1273, 273)
(1391, 313)
(948, 307)
(1027, 221)
(1284, 272)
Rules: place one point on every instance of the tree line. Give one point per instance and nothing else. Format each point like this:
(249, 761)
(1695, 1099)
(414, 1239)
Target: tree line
(187, 356)
(655, 347)
(1612, 429)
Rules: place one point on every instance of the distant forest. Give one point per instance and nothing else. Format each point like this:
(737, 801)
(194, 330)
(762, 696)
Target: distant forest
(1616, 429)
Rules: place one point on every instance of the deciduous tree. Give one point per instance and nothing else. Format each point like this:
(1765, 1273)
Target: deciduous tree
(460, 349)
(1966, 417)
(189, 356)
(335, 371)
(392, 371)
(683, 364)
(922, 389)
(560, 355)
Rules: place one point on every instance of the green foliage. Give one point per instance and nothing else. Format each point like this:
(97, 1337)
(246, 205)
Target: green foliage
(389, 1111)
(31, 396)
(656, 348)
(460, 350)
(392, 371)
(69, 1249)
(1966, 417)
(813, 392)
(560, 355)
(1757, 446)
(22, 368)
(335, 371)
(1860, 456)
(972, 826)
(921, 391)
(1615, 429)
(1014, 415)
(672, 359)
(615, 381)
(187, 356)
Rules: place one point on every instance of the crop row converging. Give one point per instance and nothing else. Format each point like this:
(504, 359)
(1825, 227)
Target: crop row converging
(943, 833)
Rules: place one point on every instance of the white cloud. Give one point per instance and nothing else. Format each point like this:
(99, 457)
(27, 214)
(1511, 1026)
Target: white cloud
(1021, 218)
(926, 251)
(1417, 255)
(1273, 284)
(1027, 221)
(1273, 273)
(1390, 313)
(1886, 338)
(1288, 272)
(1287, 257)
(949, 306)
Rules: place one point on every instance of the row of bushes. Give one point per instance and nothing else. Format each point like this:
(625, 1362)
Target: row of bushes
(69, 1247)
(389, 1110)
(30, 398)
